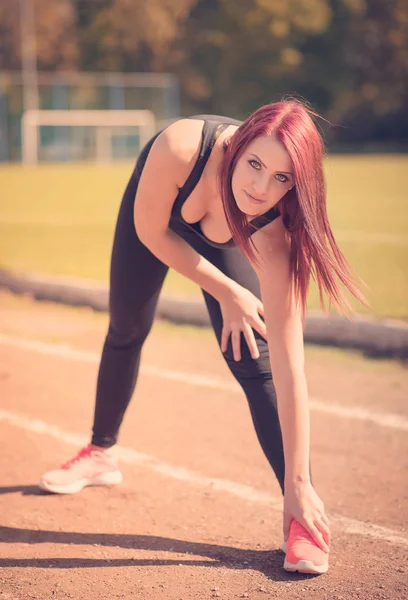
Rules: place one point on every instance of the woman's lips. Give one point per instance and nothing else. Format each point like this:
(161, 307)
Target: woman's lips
(252, 199)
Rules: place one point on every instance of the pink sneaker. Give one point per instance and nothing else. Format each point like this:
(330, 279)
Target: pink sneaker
(302, 553)
(89, 467)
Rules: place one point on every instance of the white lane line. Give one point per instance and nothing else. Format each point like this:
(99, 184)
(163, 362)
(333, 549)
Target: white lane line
(389, 420)
(131, 456)
(245, 492)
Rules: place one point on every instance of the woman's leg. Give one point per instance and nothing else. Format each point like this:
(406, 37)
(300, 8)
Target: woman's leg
(254, 376)
(136, 279)
(135, 283)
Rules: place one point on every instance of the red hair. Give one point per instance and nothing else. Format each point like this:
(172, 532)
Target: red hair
(313, 249)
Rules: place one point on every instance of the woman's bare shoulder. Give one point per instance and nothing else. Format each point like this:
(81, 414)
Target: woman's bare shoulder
(183, 135)
(179, 145)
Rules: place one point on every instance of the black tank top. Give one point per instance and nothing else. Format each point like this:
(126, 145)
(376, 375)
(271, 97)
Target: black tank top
(213, 126)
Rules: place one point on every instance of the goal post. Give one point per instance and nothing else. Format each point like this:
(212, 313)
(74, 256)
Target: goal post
(106, 123)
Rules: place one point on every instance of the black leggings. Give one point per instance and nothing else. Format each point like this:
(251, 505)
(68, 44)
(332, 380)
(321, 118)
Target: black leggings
(135, 283)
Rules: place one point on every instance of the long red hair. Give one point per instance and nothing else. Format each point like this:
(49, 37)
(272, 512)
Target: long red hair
(313, 249)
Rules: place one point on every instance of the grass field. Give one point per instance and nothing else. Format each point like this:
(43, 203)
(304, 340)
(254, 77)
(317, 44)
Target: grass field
(59, 219)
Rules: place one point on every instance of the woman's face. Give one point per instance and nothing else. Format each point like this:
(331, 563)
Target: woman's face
(262, 176)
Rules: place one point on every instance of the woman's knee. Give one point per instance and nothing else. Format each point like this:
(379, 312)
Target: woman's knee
(248, 367)
(124, 335)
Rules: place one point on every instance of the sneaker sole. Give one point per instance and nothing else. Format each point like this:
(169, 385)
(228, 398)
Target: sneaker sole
(111, 478)
(306, 566)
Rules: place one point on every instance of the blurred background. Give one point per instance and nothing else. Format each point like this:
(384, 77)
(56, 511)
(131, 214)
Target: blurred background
(84, 83)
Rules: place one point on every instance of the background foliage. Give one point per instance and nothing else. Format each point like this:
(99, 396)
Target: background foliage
(349, 58)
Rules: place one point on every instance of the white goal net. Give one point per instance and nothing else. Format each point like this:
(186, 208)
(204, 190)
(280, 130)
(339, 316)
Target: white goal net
(93, 135)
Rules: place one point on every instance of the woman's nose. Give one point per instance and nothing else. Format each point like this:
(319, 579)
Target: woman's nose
(260, 185)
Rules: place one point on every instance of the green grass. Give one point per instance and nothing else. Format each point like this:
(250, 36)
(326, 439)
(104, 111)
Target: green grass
(59, 219)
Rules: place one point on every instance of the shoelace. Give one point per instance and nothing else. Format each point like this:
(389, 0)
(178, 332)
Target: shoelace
(83, 453)
(301, 534)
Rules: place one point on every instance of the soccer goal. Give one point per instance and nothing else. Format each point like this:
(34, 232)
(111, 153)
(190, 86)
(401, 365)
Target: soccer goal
(83, 134)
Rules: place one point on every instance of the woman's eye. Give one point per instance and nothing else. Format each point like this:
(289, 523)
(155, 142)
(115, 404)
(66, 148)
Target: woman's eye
(255, 164)
(282, 178)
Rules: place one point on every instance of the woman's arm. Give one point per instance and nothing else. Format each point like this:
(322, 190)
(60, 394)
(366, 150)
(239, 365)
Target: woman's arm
(168, 165)
(169, 162)
(285, 342)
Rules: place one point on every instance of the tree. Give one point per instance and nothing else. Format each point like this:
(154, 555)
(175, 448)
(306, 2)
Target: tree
(55, 35)
(376, 54)
(245, 52)
(129, 35)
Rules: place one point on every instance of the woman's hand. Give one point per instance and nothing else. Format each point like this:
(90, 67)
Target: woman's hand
(241, 313)
(303, 504)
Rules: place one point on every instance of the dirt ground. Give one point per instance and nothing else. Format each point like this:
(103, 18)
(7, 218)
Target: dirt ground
(198, 515)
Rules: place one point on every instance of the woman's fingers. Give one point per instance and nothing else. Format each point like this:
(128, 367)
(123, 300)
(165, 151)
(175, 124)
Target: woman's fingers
(261, 309)
(236, 344)
(260, 327)
(224, 339)
(246, 328)
(317, 536)
(287, 519)
(325, 519)
(248, 332)
(250, 340)
(324, 529)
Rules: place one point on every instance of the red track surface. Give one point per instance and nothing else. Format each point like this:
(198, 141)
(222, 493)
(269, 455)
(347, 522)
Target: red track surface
(157, 536)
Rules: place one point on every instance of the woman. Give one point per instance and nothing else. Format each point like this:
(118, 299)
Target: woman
(240, 209)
